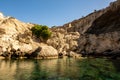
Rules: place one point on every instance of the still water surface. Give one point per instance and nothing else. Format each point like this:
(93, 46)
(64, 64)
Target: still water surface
(60, 69)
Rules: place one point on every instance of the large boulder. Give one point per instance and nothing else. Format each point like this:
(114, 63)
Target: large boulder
(43, 52)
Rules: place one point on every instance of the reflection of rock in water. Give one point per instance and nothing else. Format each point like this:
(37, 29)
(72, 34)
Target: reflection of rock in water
(116, 64)
(38, 73)
(7, 69)
(60, 69)
(23, 69)
(15, 69)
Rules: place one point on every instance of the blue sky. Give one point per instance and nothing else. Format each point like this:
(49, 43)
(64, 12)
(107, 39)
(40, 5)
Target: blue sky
(50, 12)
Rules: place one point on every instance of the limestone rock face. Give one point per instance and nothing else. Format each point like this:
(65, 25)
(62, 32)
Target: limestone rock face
(108, 22)
(96, 33)
(11, 31)
(63, 41)
(92, 43)
(103, 36)
(16, 38)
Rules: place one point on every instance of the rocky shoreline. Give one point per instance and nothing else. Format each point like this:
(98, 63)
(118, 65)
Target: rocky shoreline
(97, 34)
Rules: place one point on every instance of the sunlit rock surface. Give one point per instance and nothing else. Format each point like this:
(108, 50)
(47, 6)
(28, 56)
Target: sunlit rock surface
(16, 38)
(96, 33)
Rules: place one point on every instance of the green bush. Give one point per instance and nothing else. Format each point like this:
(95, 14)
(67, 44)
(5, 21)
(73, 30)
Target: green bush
(41, 31)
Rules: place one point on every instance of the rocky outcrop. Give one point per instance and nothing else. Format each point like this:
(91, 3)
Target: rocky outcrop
(63, 41)
(11, 34)
(103, 36)
(16, 39)
(65, 38)
(108, 22)
(91, 43)
(96, 33)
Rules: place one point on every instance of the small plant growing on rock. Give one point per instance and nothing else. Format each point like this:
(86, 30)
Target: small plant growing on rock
(41, 31)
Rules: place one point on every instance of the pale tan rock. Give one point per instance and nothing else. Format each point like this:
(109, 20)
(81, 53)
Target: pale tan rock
(48, 51)
(74, 37)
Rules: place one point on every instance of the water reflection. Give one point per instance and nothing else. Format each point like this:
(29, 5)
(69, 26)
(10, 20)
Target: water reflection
(60, 69)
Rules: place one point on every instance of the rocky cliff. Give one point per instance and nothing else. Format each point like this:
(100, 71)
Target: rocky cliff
(16, 39)
(103, 36)
(96, 34)
(99, 32)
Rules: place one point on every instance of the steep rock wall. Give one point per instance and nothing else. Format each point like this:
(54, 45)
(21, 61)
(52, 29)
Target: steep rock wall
(103, 36)
(95, 33)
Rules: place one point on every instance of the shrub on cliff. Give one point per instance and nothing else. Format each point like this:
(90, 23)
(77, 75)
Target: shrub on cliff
(41, 31)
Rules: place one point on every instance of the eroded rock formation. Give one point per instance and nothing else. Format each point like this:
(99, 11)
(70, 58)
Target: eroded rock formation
(96, 34)
(16, 39)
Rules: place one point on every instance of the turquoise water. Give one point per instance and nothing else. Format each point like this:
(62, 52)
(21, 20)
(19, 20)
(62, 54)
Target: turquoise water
(60, 69)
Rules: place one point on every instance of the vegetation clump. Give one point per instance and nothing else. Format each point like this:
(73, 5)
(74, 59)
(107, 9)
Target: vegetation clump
(41, 31)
